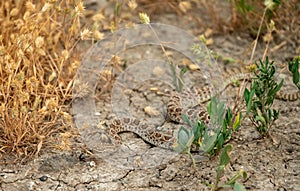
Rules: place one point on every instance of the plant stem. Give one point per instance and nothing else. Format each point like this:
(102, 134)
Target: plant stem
(257, 36)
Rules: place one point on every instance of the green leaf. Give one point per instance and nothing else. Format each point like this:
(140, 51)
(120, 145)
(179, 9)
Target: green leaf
(220, 170)
(225, 158)
(209, 142)
(247, 96)
(198, 130)
(216, 111)
(241, 174)
(279, 86)
(238, 187)
(184, 139)
(260, 118)
(186, 119)
(220, 141)
(233, 180)
(294, 68)
(228, 116)
(237, 121)
(183, 71)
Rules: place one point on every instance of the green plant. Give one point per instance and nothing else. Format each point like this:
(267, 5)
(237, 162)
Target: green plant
(212, 138)
(259, 99)
(243, 7)
(232, 182)
(294, 68)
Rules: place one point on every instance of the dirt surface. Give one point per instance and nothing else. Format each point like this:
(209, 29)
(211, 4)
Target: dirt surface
(269, 166)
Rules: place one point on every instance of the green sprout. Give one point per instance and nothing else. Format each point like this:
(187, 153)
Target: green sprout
(232, 182)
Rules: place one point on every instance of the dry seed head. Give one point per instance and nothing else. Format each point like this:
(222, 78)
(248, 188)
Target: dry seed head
(106, 74)
(39, 42)
(23, 109)
(65, 54)
(144, 18)
(53, 26)
(14, 12)
(30, 6)
(202, 38)
(79, 9)
(41, 52)
(19, 23)
(113, 27)
(269, 4)
(98, 17)
(40, 18)
(132, 4)
(61, 84)
(73, 67)
(85, 34)
(116, 61)
(98, 35)
(52, 104)
(272, 26)
(67, 117)
(28, 48)
(52, 76)
(26, 16)
(81, 89)
(251, 68)
(46, 7)
(184, 6)
(268, 37)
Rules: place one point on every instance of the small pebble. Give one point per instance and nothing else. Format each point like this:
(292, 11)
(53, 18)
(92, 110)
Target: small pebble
(92, 164)
(81, 157)
(43, 178)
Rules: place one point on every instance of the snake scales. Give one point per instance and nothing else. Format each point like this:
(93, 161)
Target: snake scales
(175, 108)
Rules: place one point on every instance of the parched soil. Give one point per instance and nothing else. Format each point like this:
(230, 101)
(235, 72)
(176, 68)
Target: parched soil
(270, 165)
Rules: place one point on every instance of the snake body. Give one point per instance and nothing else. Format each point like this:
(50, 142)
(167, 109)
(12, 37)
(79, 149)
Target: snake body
(176, 107)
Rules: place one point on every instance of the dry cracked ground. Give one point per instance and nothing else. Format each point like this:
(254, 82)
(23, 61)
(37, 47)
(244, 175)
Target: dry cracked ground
(269, 166)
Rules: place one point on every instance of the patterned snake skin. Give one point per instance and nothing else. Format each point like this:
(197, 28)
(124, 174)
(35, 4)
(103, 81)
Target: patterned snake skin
(176, 107)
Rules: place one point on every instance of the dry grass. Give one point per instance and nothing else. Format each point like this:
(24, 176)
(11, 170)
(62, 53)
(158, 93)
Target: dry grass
(38, 64)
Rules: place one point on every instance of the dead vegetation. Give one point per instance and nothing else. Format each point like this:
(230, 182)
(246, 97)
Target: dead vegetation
(38, 64)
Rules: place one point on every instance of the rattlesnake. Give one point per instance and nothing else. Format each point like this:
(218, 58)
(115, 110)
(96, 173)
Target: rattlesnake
(175, 109)
(149, 133)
